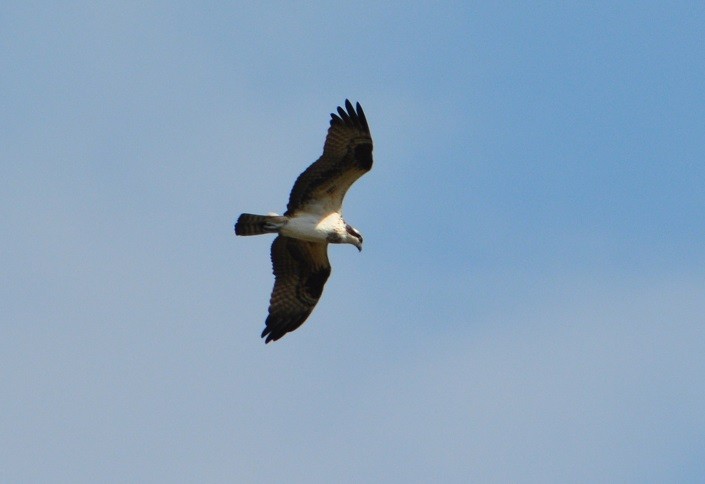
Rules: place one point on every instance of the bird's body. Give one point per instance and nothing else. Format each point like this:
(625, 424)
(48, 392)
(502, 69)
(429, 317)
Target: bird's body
(313, 219)
(314, 227)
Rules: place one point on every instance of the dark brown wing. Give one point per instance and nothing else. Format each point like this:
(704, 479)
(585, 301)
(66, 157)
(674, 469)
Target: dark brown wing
(347, 155)
(301, 269)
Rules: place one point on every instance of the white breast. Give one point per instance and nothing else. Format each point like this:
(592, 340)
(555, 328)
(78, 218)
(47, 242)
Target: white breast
(313, 227)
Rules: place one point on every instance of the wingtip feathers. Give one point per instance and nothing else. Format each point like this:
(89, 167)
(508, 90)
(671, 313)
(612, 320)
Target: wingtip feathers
(350, 115)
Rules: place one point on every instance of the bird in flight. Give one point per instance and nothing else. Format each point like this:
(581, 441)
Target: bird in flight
(313, 219)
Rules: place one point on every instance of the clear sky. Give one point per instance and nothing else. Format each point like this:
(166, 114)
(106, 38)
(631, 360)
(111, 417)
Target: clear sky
(530, 302)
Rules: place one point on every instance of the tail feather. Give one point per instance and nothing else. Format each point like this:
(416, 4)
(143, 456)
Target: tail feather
(250, 224)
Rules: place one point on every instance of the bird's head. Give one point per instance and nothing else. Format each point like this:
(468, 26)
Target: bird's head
(353, 237)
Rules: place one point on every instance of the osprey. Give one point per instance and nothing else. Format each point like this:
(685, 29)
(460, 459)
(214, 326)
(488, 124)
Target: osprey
(313, 219)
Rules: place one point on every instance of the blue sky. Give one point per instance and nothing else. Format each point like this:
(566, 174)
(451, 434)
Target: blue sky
(530, 302)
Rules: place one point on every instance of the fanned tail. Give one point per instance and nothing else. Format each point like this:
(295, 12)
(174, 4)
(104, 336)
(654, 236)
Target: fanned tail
(250, 224)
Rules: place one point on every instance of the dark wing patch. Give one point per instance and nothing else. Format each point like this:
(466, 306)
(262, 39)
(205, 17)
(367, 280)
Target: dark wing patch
(301, 269)
(347, 155)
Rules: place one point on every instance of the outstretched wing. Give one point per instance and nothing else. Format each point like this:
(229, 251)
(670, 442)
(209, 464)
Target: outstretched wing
(347, 155)
(301, 269)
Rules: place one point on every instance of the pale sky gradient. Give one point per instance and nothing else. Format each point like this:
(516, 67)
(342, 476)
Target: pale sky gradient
(530, 302)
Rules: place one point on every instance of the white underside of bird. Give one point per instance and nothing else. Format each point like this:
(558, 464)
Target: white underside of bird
(313, 227)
